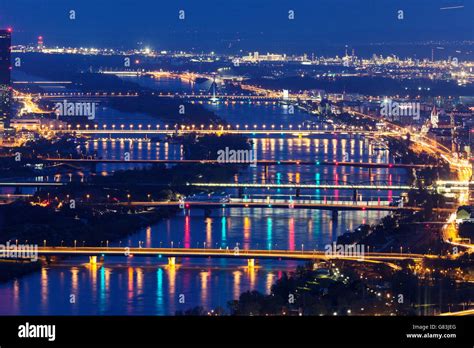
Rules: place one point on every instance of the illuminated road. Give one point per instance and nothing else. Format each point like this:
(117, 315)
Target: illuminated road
(29, 106)
(450, 234)
(458, 314)
(425, 144)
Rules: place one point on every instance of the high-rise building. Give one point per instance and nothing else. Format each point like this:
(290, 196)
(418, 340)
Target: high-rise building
(5, 76)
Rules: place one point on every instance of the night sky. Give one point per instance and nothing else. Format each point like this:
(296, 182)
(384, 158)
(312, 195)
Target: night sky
(229, 26)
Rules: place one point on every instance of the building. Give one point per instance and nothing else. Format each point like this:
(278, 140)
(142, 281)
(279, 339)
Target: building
(434, 118)
(269, 57)
(5, 76)
(26, 124)
(36, 123)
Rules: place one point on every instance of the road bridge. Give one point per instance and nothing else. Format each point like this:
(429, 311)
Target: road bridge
(273, 203)
(250, 255)
(303, 186)
(190, 130)
(258, 162)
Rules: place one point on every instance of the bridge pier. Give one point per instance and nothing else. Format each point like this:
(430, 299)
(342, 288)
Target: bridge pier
(266, 172)
(172, 261)
(334, 215)
(250, 263)
(298, 192)
(240, 192)
(93, 260)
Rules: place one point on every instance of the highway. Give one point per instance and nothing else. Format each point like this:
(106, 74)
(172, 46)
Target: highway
(458, 314)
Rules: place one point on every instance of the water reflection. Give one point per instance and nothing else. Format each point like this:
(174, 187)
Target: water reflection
(140, 286)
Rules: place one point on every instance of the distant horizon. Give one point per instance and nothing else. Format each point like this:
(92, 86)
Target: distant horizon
(236, 26)
(403, 50)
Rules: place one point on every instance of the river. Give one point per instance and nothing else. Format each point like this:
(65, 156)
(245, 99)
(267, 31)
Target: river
(147, 286)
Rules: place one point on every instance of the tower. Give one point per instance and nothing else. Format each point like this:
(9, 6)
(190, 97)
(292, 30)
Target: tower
(40, 43)
(214, 98)
(434, 117)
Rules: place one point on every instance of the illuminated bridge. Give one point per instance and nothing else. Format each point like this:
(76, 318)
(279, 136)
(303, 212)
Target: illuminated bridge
(296, 186)
(31, 184)
(250, 255)
(190, 130)
(189, 96)
(334, 206)
(258, 162)
(200, 98)
(303, 186)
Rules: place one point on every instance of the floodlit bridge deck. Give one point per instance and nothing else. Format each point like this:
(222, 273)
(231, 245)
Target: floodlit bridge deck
(145, 131)
(224, 253)
(303, 186)
(258, 162)
(297, 204)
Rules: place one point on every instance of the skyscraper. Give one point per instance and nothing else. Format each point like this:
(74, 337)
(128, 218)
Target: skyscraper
(5, 76)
